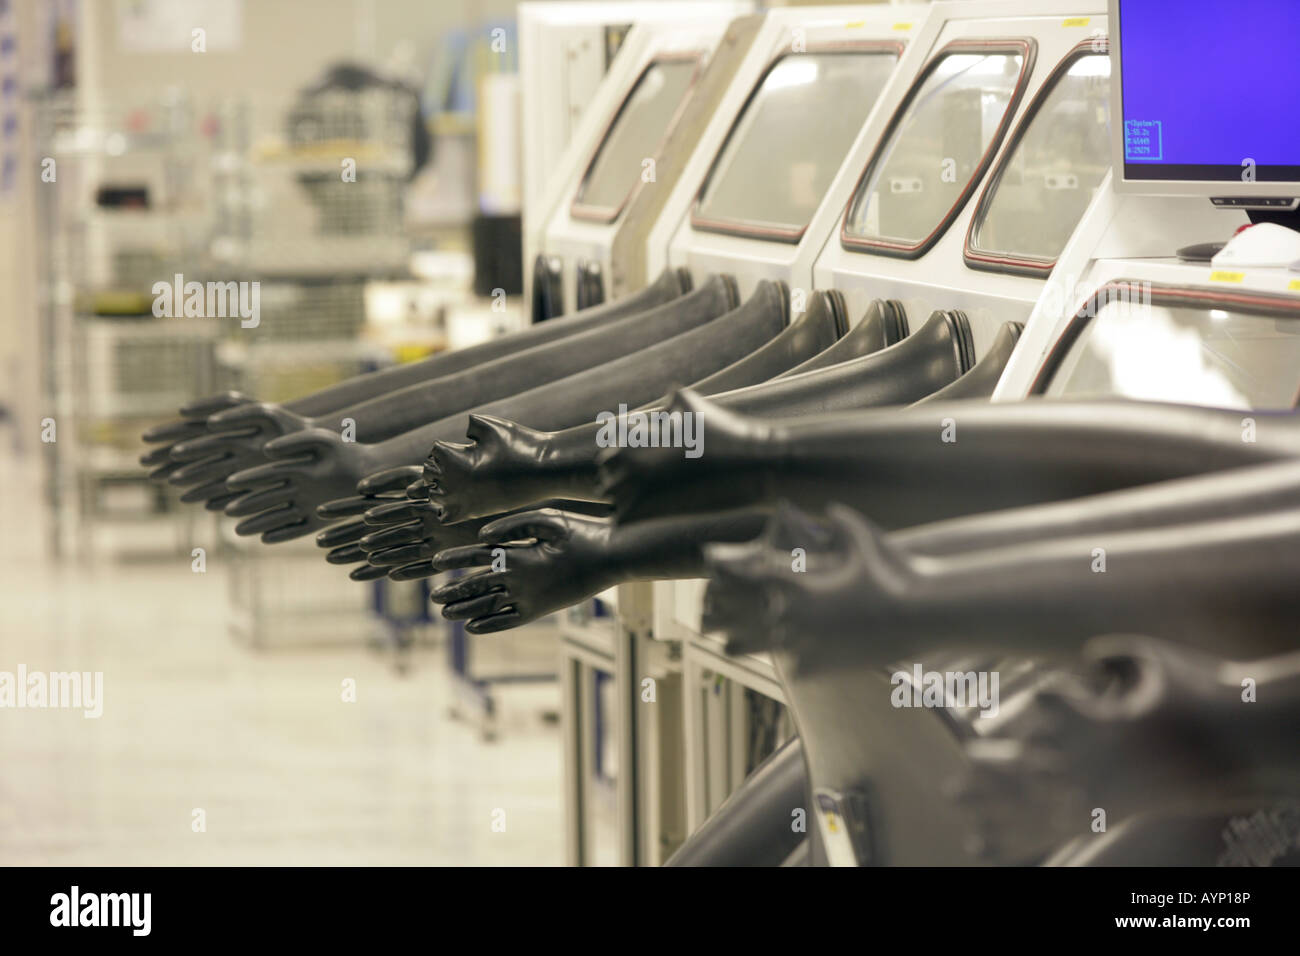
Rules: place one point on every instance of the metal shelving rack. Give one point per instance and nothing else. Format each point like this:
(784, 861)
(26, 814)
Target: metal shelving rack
(308, 201)
(110, 366)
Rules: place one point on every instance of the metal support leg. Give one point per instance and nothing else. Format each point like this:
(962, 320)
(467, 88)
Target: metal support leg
(631, 664)
(587, 650)
(738, 736)
(663, 750)
(717, 711)
(695, 740)
(572, 723)
(628, 785)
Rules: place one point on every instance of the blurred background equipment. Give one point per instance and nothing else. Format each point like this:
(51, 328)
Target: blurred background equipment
(224, 210)
(361, 168)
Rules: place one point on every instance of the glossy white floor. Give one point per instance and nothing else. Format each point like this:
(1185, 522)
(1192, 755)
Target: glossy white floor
(284, 770)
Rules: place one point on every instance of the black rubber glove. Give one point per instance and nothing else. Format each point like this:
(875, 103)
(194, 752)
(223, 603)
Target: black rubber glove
(341, 539)
(673, 548)
(834, 675)
(571, 558)
(506, 464)
(1220, 495)
(402, 538)
(373, 384)
(884, 323)
(237, 438)
(392, 413)
(1209, 584)
(981, 381)
(314, 466)
(898, 466)
(509, 465)
(192, 424)
(204, 461)
(522, 581)
(814, 330)
(1135, 729)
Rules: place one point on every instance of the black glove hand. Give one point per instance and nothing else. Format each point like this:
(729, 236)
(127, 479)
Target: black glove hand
(306, 469)
(191, 424)
(566, 561)
(342, 538)
(402, 537)
(234, 443)
(508, 465)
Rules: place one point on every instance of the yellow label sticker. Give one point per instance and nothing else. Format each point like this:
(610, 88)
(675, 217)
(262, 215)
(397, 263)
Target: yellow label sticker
(1076, 21)
(1219, 275)
(902, 26)
(411, 353)
(855, 25)
(1294, 285)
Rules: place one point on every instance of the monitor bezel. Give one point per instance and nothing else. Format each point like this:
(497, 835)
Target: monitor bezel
(1207, 188)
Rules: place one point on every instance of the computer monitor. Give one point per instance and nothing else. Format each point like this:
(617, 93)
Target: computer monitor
(1204, 99)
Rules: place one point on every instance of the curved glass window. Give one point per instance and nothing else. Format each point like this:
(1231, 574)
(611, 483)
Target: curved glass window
(639, 127)
(935, 151)
(790, 140)
(1051, 172)
(1172, 353)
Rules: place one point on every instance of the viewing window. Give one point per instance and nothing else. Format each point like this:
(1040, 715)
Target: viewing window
(1224, 357)
(1048, 176)
(790, 140)
(937, 148)
(635, 135)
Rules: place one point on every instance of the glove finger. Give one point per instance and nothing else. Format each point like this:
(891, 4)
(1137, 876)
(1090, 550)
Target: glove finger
(256, 502)
(413, 572)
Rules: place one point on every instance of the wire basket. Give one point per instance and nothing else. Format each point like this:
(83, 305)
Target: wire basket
(282, 371)
(307, 310)
(135, 368)
(315, 184)
(336, 119)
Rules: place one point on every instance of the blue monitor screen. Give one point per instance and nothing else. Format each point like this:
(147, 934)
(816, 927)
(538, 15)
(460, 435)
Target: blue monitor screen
(1210, 88)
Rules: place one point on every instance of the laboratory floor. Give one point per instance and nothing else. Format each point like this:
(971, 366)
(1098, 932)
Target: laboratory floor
(284, 770)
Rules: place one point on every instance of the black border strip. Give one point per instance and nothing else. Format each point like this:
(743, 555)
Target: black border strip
(606, 214)
(752, 229)
(1027, 47)
(1276, 305)
(1036, 267)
